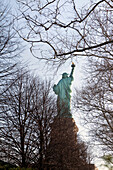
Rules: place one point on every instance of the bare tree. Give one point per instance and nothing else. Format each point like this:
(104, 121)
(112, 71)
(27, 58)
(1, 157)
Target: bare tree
(60, 31)
(26, 114)
(9, 44)
(96, 102)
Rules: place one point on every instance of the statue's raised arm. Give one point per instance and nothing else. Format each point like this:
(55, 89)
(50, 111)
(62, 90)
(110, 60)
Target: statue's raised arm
(73, 66)
(63, 90)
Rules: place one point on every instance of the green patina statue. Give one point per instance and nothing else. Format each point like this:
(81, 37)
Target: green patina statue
(63, 90)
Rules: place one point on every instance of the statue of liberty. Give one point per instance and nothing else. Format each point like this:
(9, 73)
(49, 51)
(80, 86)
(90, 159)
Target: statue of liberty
(63, 90)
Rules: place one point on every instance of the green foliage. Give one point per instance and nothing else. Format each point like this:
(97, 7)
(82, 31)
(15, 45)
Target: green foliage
(18, 168)
(6, 166)
(108, 159)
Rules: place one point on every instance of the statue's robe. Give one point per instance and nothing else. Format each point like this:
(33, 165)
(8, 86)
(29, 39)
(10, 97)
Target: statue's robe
(63, 90)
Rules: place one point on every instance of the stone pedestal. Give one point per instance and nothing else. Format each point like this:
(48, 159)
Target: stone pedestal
(62, 152)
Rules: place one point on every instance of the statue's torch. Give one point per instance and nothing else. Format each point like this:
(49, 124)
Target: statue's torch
(73, 65)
